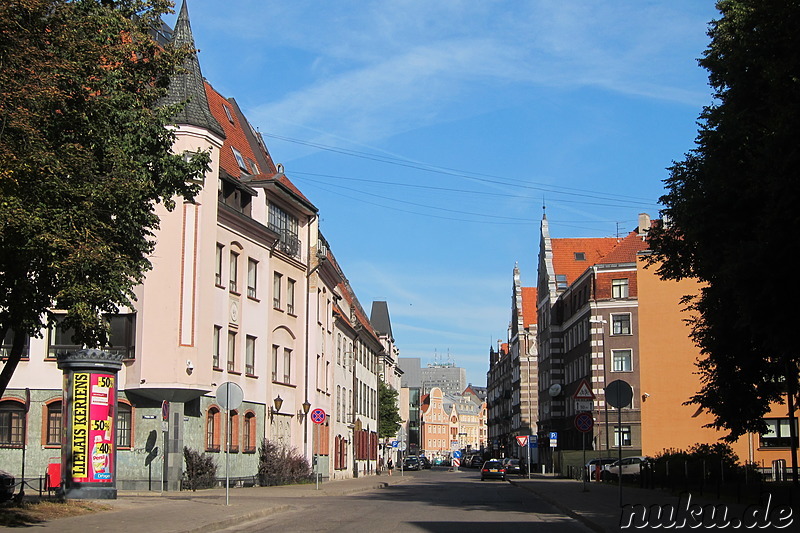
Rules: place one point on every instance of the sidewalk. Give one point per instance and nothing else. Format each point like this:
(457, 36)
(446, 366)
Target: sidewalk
(597, 505)
(206, 511)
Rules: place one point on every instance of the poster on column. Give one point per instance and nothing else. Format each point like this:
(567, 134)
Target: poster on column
(92, 421)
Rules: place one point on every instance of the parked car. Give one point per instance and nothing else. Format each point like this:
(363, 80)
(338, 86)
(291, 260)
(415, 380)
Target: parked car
(630, 467)
(475, 461)
(591, 468)
(7, 484)
(493, 469)
(513, 466)
(426, 463)
(412, 463)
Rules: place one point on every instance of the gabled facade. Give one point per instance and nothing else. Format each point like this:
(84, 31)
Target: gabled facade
(588, 330)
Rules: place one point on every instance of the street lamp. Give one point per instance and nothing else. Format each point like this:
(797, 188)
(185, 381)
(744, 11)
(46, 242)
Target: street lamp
(277, 402)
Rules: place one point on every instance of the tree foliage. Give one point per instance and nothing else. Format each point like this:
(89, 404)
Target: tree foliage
(85, 156)
(388, 415)
(731, 208)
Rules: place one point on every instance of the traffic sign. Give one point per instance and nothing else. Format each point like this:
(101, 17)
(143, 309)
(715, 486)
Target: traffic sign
(457, 454)
(395, 443)
(318, 416)
(584, 391)
(584, 422)
(230, 396)
(522, 440)
(582, 406)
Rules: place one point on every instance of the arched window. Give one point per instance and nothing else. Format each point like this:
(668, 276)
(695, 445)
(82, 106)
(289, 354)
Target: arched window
(249, 432)
(53, 423)
(12, 423)
(212, 429)
(233, 431)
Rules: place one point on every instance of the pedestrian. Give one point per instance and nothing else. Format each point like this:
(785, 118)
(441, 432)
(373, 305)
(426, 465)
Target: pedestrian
(389, 466)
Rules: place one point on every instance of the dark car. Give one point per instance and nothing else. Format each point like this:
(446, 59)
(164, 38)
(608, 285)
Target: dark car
(513, 466)
(493, 470)
(426, 463)
(412, 463)
(7, 483)
(475, 461)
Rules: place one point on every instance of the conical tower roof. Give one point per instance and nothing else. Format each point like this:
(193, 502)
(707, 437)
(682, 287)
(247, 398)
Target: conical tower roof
(187, 86)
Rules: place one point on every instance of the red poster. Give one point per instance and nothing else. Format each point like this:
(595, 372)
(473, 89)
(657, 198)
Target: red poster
(93, 416)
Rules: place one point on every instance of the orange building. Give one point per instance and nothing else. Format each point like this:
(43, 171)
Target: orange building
(669, 378)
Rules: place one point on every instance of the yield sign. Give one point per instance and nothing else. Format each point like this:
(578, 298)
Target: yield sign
(584, 391)
(522, 440)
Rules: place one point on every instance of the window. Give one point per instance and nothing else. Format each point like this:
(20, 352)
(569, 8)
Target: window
(622, 435)
(212, 429)
(287, 365)
(290, 296)
(12, 420)
(234, 272)
(561, 281)
(250, 355)
(5, 348)
(124, 425)
(580, 256)
(253, 166)
(249, 433)
(233, 431)
(218, 266)
(275, 349)
(619, 288)
(621, 361)
(276, 290)
(53, 419)
(228, 114)
(778, 433)
(239, 159)
(286, 226)
(121, 336)
(215, 346)
(621, 324)
(231, 351)
(252, 277)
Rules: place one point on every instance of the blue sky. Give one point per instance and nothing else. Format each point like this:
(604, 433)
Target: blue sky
(431, 134)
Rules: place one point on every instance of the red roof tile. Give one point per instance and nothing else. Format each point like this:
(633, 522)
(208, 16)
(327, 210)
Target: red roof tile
(529, 314)
(571, 257)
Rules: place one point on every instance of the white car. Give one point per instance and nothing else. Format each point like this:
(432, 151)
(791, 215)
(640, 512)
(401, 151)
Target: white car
(631, 467)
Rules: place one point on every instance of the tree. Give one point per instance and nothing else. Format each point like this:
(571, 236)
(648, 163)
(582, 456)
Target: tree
(85, 156)
(730, 212)
(388, 415)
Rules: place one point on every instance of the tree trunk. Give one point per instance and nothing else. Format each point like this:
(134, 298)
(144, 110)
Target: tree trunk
(17, 347)
(791, 382)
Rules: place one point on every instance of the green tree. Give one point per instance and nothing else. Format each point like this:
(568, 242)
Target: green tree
(388, 415)
(85, 156)
(730, 210)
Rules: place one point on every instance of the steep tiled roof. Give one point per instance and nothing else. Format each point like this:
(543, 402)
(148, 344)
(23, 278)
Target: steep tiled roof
(529, 314)
(625, 251)
(571, 257)
(234, 135)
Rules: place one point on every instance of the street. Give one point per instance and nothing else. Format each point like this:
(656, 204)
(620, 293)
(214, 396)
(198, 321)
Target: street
(434, 500)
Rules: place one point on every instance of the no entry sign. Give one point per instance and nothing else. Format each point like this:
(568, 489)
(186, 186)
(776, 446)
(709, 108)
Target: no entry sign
(318, 416)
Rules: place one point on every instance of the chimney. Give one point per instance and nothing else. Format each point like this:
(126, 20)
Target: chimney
(644, 223)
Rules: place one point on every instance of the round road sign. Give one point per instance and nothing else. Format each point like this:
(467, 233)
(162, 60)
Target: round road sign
(229, 396)
(318, 416)
(619, 394)
(584, 422)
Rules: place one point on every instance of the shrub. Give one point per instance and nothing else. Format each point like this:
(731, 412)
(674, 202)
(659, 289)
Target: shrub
(201, 470)
(279, 464)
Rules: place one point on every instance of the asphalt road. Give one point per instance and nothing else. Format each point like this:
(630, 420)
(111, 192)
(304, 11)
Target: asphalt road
(436, 501)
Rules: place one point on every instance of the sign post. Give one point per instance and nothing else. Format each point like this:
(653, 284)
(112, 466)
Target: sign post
(619, 394)
(229, 397)
(318, 417)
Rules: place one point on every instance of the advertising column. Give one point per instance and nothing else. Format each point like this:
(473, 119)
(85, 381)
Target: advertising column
(88, 450)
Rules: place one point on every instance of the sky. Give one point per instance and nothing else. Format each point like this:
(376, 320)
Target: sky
(433, 135)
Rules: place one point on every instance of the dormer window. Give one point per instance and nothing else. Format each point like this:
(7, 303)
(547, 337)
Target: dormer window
(253, 166)
(228, 113)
